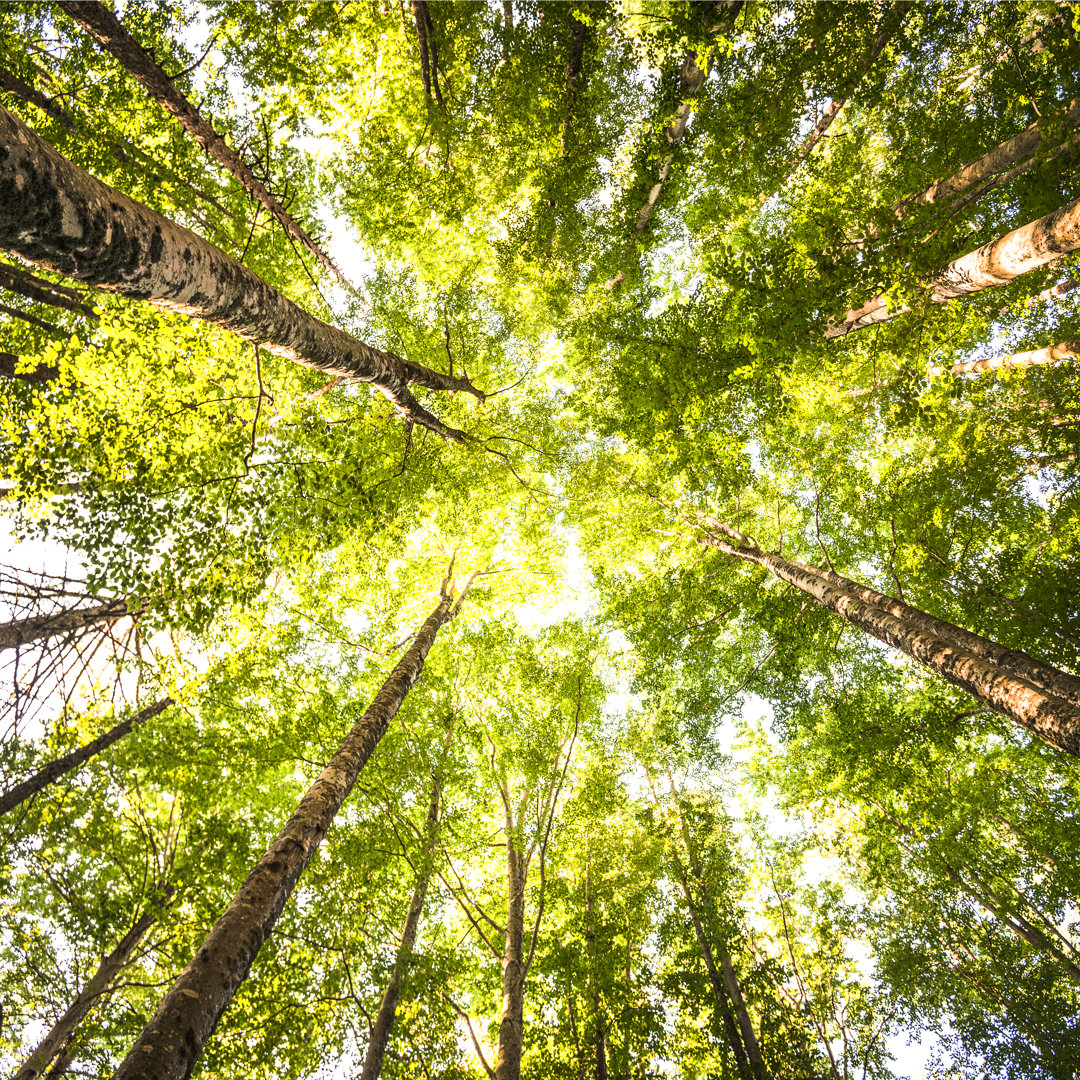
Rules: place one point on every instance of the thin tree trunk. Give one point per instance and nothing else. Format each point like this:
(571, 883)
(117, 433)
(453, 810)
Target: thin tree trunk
(691, 80)
(1067, 350)
(172, 1041)
(43, 373)
(38, 289)
(600, 1048)
(63, 765)
(731, 1029)
(986, 670)
(59, 1036)
(104, 27)
(33, 320)
(890, 23)
(1001, 158)
(512, 1022)
(57, 216)
(384, 1019)
(570, 77)
(23, 631)
(996, 263)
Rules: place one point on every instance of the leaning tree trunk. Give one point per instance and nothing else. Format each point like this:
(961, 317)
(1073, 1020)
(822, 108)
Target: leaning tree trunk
(1067, 350)
(1003, 157)
(1037, 696)
(15, 279)
(172, 1041)
(889, 25)
(59, 1035)
(63, 765)
(512, 1022)
(104, 27)
(995, 263)
(23, 631)
(384, 1019)
(731, 1028)
(54, 214)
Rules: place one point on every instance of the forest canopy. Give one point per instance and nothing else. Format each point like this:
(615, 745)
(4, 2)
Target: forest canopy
(541, 539)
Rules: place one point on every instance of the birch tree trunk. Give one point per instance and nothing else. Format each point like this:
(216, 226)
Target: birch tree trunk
(512, 1023)
(23, 631)
(63, 765)
(55, 215)
(996, 160)
(1037, 696)
(104, 27)
(384, 1019)
(172, 1041)
(890, 23)
(1067, 350)
(59, 1035)
(995, 263)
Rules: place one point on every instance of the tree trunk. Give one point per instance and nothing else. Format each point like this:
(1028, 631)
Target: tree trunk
(891, 22)
(59, 1036)
(600, 1048)
(570, 77)
(1035, 695)
(57, 216)
(731, 1029)
(384, 1020)
(61, 766)
(23, 631)
(172, 1041)
(1001, 158)
(995, 263)
(43, 373)
(512, 1023)
(1067, 350)
(104, 27)
(419, 11)
(41, 291)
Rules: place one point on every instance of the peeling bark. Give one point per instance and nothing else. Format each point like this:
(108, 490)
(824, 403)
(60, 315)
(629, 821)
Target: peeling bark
(996, 263)
(172, 1041)
(977, 665)
(1067, 350)
(57, 216)
(104, 27)
(63, 765)
(59, 1035)
(23, 631)
(384, 1019)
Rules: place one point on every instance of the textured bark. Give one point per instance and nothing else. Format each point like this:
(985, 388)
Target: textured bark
(731, 1029)
(977, 665)
(104, 27)
(23, 631)
(43, 373)
(59, 1036)
(995, 263)
(419, 11)
(891, 22)
(570, 77)
(172, 1041)
(57, 216)
(512, 1022)
(63, 765)
(1001, 158)
(1067, 350)
(384, 1019)
(15, 279)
